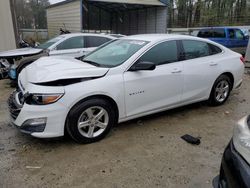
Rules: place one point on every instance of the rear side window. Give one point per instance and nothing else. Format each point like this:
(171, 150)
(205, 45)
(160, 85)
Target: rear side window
(219, 33)
(195, 49)
(214, 49)
(71, 43)
(205, 34)
(163, 53)
(212, 33)
(93, 41)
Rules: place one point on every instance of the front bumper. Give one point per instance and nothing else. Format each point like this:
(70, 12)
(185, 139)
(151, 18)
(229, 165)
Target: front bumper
(234, 172)
(45, 121)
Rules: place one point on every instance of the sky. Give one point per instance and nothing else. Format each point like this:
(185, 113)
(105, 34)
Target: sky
(55, 1)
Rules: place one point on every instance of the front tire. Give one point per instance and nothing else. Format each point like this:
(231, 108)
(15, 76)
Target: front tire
(91, 120)
(220, 91)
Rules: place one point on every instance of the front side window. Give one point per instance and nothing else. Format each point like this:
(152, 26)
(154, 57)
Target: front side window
(114, 53)
(71, 43)
(163, 53)
(239, 34)
(195, 49)
(94, 41)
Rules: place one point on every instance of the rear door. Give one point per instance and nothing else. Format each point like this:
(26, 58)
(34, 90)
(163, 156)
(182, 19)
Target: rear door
(162, 87)
(219, 36)
(200, 69)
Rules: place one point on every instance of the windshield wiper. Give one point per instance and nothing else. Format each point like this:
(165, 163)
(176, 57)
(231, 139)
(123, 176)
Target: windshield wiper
(91, 63)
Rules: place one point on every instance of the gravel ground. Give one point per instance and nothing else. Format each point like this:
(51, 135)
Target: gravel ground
(147, 152)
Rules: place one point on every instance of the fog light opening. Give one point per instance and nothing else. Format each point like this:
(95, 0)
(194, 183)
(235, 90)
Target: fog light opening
(34, 125)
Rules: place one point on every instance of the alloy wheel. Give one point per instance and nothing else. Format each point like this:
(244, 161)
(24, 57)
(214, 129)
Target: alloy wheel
(93, 122)
(222, 90)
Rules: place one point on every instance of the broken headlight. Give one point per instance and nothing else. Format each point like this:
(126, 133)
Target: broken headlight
(43, 99)
(241, 138)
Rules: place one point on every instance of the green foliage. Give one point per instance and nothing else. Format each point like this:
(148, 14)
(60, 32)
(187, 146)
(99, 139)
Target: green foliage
(202, 13)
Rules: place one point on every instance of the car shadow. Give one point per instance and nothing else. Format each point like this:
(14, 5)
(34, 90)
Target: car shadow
(181, 111)
(66, 140)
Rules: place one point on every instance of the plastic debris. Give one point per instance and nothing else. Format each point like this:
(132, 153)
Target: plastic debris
(33, 167)
(192, 140)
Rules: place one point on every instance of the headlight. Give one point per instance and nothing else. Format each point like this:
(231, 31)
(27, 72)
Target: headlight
(241, 138)
(42, 99)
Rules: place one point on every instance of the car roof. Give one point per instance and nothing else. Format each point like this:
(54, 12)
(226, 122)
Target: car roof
(87, 34)
(209, 28)
(159, 37)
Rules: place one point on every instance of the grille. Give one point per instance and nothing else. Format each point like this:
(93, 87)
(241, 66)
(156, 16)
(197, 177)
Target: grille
(14, 108)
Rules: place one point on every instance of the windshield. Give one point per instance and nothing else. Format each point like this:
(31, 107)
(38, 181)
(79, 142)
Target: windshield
(49, 42)
(114, 53)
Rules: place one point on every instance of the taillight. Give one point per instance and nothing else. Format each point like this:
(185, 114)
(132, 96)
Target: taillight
(242, 59)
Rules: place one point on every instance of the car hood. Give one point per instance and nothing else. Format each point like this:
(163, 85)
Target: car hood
(20, 52)
(49, 69)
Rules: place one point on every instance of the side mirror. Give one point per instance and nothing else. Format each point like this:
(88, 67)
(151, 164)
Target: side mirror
(142, 65)
(81, 57)
(55, 48)
(46, 51)
(246, 37)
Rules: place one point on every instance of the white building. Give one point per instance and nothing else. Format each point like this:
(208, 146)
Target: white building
(7, 36)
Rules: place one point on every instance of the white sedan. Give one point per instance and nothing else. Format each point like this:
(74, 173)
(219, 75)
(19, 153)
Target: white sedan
(125, 79)
(73, 45)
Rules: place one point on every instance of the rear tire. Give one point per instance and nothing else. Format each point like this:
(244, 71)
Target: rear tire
(91, 120)
(220, 91)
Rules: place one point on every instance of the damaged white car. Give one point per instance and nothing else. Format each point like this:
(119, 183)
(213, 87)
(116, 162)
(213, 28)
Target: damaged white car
(125, 79)
(73, 45)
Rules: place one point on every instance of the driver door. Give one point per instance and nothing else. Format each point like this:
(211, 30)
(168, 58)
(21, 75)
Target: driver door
(241, 39)
(160, 88)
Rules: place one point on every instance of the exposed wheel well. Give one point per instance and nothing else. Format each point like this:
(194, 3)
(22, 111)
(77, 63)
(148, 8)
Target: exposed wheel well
(231, 77)
(105, 97)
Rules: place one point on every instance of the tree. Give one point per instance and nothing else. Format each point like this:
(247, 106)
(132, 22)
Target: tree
(195, 13)
(31, 13)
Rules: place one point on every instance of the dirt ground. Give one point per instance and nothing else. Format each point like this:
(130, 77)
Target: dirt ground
(141, 153)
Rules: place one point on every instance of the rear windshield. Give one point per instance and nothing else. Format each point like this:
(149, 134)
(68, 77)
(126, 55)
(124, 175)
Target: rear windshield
(212, 33)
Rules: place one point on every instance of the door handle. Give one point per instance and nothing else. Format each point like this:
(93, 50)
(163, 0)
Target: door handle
(176, 71)
(213, 64)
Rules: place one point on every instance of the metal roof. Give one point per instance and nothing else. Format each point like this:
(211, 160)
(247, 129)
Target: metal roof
(61, 3)
(123, 2)
(135, 2)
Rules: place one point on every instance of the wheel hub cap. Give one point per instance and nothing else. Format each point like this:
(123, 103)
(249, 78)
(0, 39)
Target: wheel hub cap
(222, 91)
(93, 122)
